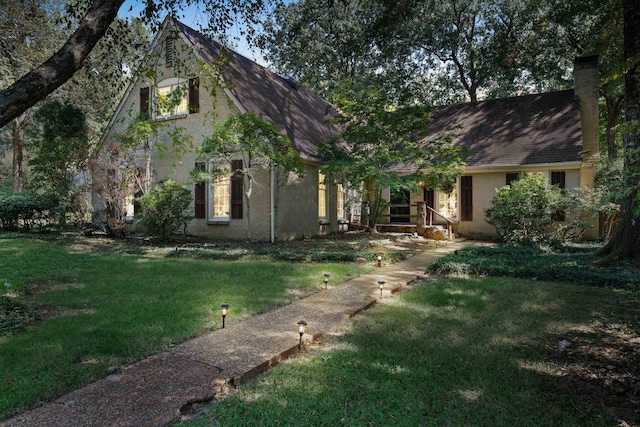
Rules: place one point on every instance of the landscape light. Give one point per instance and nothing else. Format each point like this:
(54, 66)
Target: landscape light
(302, 325)
(381, 285)
(379, 260)
(326, 279)
(224, 308)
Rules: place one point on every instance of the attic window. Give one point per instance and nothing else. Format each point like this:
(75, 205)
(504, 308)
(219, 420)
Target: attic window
(168, 45)
(171, 98)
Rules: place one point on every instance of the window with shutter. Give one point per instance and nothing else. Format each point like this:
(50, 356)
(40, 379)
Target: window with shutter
(236, 189)
(194, 95)
(466, 198)
(199, 193)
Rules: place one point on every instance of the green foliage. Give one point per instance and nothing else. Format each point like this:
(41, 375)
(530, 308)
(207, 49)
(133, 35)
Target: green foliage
(522, 212)
(380, 145)
(59, 153)
(564, 264)
(259, 143)
(21, 211)
(164, 209)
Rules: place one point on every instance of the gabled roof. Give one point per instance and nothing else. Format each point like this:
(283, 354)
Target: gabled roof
(300, 114)
(524, 130)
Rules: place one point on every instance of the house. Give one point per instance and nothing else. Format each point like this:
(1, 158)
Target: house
(192, 82)
(555, 134)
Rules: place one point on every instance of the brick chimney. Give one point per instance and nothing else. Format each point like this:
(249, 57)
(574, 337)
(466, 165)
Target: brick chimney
(587, 90)
(586, 77)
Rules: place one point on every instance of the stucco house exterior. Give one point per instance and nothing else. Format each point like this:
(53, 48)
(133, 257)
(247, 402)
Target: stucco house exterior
(555, 134)
(208, 83)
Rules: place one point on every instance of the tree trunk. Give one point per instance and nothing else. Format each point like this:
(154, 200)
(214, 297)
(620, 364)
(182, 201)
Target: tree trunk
(19, 124)
(626, 242)
(40, 82)
(614, 106)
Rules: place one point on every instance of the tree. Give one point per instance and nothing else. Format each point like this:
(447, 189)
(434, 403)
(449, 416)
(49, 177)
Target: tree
(318, 46)
(94, 24)
(497, 48)
(59, 153)
(257, 143)
(27, 37)
(626, 242)
(381, 146)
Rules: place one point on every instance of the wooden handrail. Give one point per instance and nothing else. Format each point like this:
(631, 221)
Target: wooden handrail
(439, 214)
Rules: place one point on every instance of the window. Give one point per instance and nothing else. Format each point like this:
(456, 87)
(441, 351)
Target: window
(340, 202)
(220, 196)
(558, 178)
(512, 176)
(322, 196)
(172, 98)
(448, 203)
(466, 198)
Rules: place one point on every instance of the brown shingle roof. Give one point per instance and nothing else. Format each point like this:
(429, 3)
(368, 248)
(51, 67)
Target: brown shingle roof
(525, 130)
(299, 113)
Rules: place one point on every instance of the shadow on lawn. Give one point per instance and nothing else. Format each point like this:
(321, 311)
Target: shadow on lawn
(479, 351)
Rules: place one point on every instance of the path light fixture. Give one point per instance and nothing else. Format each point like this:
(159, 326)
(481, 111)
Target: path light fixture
(379, 260)
(326, 279)
(302, 325)
(225, 308)
(381, 285)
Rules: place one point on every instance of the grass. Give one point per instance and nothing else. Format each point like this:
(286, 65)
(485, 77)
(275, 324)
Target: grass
(466, 350)
(76, 309)
(457, 351)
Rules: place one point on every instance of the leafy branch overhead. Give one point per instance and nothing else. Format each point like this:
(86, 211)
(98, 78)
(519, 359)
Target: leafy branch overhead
(384, 145)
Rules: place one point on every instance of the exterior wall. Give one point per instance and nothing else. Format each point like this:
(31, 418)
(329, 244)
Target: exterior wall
(297, 199)
(484, 188)
(297, 208)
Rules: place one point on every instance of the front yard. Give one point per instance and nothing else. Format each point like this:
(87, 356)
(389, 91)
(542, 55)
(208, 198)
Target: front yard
(468, 349)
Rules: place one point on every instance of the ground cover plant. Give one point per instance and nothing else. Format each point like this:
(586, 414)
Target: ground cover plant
(456, 351)
(570, 263)
(74, 309)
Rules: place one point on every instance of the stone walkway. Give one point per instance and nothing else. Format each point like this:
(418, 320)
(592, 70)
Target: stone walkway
(154, 391)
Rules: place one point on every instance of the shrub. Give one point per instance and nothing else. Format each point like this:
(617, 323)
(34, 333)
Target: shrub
(522, 212)
(21, 211)
(164, 209)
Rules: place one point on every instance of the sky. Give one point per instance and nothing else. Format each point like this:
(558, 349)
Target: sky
(194, 17)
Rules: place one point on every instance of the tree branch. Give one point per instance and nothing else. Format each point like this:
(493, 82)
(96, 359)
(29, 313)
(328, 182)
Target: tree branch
(54, 72)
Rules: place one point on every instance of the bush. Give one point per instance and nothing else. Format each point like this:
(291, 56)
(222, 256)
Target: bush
(164, 209)
(522, 212)
(21, 211)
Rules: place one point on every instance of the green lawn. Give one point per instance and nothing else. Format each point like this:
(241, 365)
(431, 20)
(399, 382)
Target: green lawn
(455, 352)
(95, 306)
